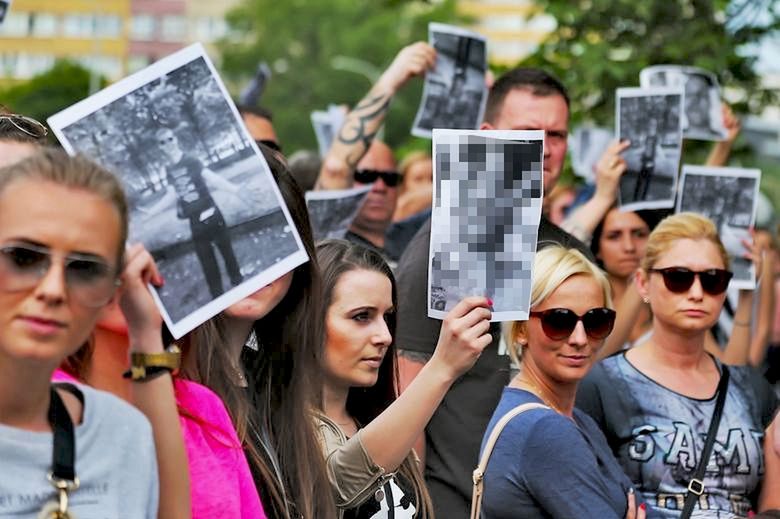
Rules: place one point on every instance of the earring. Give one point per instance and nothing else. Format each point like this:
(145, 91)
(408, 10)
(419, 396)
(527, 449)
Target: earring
(646, 300)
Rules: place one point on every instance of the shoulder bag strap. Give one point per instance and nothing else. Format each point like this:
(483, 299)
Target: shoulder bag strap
(696, 485)
(64, 448)
(479, 472)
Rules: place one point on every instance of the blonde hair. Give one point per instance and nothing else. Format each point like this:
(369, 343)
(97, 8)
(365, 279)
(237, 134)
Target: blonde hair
(552, 266)
(681, 226)
(410, 160)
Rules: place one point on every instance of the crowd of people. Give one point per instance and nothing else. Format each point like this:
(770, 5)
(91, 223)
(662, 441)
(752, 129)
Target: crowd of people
(330, 393)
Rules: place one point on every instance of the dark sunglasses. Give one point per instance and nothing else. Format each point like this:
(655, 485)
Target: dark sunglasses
(270, 144)
(559, 323)
(89, 280)
(680, 279)
(27, 125)
(369, 176)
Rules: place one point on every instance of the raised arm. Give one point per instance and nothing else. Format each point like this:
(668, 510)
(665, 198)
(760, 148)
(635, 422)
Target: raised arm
(583, 220)
(721, 150)
(155, 396)
(364, 120)
(737, 350)
(627, 313)
(766, 302)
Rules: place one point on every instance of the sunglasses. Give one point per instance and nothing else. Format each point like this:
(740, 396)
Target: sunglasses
(90, 281)
(680, 279)
(270, 144)
(369, 176)
(27, 125)
(559, 323)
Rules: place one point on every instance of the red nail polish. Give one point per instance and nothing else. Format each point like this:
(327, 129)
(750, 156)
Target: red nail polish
(642, 506)
(751, 513)
(490, 302)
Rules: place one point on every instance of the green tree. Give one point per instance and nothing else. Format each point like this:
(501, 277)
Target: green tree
(46, 94)
(300, 38)
(600, 45)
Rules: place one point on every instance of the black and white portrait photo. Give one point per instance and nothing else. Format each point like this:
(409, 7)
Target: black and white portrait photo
(651, 119)
(5, 6)
(487, 204)
(202, 198)
(331, 211)
(703, 116)
(728, 197)
(586, 145)
(454, 93)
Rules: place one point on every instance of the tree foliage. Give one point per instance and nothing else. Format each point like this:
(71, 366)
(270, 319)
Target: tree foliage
(600, 45)
(300, 39)
(46, 94)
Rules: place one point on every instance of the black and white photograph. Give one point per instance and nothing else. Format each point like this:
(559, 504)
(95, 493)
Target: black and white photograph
(487, 205)
(326, 124)
(5, 6)
(331, 212)
(586, 145)
(650, 118)
(728, 197)
(703, 116)
(454, 92)
(202, 198)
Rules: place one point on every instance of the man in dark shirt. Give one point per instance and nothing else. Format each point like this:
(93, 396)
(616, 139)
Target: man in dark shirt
(188, 178)
(522, 99)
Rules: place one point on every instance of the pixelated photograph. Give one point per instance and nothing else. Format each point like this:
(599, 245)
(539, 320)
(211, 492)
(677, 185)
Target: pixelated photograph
(454, 92)
(702, 117)
(485, 219)
(331, 212)
(728, 197)
(326, 124)
(5, 6)
(586, 145)
(202, 198)
(650, 118)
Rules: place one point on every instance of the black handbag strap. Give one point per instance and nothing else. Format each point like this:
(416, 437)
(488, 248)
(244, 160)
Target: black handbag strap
(696, 485)
(63, 465)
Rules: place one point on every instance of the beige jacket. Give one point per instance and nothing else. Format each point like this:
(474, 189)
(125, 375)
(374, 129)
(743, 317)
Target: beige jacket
(353, 475)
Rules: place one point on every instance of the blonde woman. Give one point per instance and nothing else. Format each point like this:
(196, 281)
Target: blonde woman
(655, 402)
(555, 462)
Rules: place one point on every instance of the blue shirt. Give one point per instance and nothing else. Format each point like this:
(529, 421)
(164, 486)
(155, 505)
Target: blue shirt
(547, 465)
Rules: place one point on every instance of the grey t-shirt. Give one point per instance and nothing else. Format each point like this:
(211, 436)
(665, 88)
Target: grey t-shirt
(115, 462)
(657, 435)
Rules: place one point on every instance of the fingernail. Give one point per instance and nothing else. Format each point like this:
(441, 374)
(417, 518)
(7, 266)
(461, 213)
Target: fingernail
(642, 507)
(631, 490)
(490, 302)
(751, 513)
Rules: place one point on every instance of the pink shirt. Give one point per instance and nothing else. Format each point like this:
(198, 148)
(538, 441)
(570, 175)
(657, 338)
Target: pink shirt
(220, 480)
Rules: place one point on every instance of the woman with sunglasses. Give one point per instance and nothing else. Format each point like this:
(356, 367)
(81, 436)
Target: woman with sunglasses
(554, 462)
(655, 402)
(63, 223)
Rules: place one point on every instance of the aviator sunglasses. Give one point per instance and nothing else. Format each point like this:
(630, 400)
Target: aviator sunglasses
(680, 279)
(27, 125)
(369, 176)
(559, 323)
(89, 280)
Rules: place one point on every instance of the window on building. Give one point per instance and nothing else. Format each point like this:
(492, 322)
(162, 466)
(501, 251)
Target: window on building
(108, 26)
(208, 29)
(142, 27)
(136, 63)
(43, 25)
(174, 28)
(16, 24)
(78, 26)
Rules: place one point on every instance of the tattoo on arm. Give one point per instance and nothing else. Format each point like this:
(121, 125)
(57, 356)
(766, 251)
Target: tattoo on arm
(362, 126)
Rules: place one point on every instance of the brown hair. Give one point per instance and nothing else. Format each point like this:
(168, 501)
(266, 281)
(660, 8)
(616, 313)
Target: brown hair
(681, 226)
(56, 166)
(536, 81)
(273, 415)
(337, 257)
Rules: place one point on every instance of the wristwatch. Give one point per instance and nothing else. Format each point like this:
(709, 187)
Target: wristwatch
(145, 365)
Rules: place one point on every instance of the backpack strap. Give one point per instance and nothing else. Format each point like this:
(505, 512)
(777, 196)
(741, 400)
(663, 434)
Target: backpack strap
(479, 472)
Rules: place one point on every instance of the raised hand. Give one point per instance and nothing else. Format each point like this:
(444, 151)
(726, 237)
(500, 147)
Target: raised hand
(412, 60)
(609, 168)
(465, 332)
(143, 318)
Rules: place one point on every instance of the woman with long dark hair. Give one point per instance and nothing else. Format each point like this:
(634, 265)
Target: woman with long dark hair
(367, 430)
